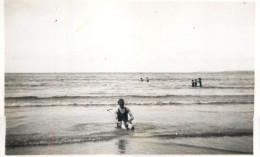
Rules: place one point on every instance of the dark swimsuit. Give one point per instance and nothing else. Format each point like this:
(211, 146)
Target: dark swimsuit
(122, 116)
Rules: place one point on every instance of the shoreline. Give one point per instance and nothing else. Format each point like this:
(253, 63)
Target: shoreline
(126, 145)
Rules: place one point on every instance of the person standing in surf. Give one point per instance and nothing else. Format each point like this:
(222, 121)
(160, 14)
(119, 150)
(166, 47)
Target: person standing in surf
(122, 115)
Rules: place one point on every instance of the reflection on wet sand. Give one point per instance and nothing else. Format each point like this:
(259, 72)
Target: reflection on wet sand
(122, 146)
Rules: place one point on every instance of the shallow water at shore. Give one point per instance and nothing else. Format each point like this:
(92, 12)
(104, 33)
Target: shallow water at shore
(126, 145)
(162, 127)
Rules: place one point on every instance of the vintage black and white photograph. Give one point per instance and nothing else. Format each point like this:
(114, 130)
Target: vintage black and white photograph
(129, 77)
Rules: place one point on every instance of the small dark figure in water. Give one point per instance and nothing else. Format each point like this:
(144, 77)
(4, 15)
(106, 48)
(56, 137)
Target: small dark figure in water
(195, 83)
(192, 83)
(200, 82)
(141, 79)
(147, 80)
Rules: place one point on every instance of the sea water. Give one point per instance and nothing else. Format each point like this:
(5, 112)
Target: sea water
(74, 113)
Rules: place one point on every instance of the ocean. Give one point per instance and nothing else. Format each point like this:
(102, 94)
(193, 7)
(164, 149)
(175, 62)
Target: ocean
(73, 113)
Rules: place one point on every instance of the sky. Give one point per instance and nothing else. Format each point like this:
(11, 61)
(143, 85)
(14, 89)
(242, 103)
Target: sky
(128, 36)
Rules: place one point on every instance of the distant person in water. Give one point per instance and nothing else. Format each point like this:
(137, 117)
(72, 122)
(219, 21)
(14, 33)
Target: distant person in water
(147, 79)
(141, 79)
(122, 114)
(194, 83)
(200, 82)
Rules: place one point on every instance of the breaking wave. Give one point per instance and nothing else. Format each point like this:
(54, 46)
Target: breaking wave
(33, 140)
(117, 96)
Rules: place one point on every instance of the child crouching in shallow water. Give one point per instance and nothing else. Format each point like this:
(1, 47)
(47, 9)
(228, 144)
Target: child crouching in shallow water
(122, 115)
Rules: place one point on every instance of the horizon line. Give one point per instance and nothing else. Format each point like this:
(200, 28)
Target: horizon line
(132, 72)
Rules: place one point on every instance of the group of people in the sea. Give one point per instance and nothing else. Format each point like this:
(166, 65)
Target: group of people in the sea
(194, 82)
(147, 79)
